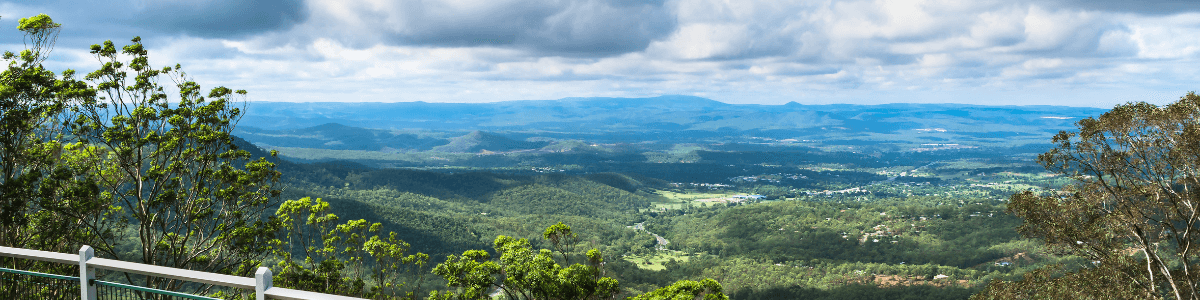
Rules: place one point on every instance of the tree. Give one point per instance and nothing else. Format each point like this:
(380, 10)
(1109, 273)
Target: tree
(1134, 209)
(341, 258)
(1102, 282)
(706, 289)
(37, 173)
(34, 103)
(176, 191)
(523, 273)
(562, 239)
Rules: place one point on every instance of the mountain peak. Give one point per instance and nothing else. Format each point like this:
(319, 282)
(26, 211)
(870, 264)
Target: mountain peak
(477, 141)
(329, 126)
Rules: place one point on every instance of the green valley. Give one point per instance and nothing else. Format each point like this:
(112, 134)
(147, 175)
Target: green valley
(767, 221)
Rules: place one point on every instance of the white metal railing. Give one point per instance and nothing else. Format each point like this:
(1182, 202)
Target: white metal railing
(88, 263)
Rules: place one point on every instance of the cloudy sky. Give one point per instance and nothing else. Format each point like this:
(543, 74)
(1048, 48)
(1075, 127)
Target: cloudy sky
(1069, 52)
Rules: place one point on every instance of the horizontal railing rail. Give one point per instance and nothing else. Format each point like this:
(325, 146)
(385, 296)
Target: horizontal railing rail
(27, 287)
(62, 258)
(22, 284)
(38, 274)
(121, 288)
(260, 284)
(173, 273)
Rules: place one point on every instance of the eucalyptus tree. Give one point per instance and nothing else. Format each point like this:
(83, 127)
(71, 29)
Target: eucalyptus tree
(562, 239)
(36, 172)
(706, 289)
(522, 272)
(185, 196)
(1133, 210)
(352, 258)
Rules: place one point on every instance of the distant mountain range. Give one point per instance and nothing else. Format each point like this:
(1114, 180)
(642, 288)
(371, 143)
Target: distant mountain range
(513, 125)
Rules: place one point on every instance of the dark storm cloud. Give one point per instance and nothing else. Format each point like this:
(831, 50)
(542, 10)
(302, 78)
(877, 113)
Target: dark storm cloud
(1147, 7)
(220, 18)
(600, 28)
(568, 28)
(202, 18)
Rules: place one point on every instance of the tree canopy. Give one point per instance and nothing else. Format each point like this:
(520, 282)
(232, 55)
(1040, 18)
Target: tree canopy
(1133, 211)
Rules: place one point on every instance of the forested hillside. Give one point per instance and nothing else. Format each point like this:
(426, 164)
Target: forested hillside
(878, 241)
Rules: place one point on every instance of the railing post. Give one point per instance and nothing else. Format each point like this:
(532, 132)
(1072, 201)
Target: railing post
(86, 275)
(262, 282)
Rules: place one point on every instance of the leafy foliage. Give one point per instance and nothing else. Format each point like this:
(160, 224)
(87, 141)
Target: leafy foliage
(34, 104)
(1132, 209)
(1101, 282)
(318, 254)
(707, 289)
(523, 273)
(170, 172)
(40, 169)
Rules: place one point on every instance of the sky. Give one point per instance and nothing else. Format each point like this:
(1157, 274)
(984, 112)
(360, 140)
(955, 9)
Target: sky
(1048, 52)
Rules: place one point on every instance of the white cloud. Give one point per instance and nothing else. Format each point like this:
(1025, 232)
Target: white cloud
(767, 51)
(1166, 38)
(1117, 43)
(1050, 30)
(703, 40)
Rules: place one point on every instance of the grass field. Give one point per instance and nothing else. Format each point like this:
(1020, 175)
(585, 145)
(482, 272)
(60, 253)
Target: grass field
(692, 196)
(675, 200)
(656, 261)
